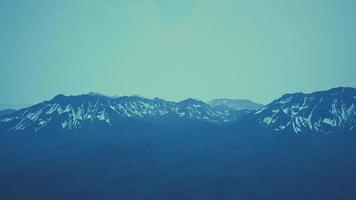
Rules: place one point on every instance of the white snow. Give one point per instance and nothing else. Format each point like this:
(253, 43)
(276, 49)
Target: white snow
(6, 119)
(261, 110)
(329, 121)
(267, 120)
(52, 109)
(284, 101)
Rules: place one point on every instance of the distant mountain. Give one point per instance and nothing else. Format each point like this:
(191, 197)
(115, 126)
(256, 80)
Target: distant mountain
(236, 104)
(74, 112)
(6, 112)
(319, 112)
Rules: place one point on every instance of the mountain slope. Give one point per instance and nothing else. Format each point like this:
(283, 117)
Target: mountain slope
(6, 112)
(324, 112)
(185, 162)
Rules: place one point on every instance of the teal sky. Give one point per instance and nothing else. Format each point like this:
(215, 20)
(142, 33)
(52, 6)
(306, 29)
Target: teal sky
(205, 49)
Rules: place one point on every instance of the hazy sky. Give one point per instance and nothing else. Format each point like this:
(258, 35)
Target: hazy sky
(204, 49)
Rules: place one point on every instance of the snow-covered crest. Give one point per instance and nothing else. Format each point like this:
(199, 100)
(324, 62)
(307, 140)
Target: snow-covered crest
(322, 112)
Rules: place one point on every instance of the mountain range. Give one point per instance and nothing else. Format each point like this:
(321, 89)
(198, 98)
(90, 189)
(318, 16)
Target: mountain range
(322, 112)
(93, 146)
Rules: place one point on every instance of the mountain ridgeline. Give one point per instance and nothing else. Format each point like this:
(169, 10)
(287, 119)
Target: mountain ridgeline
(75, 112)
(322, 112)
(300, 146)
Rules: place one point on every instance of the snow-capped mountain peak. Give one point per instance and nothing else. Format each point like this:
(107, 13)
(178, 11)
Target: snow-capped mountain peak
(322, 112)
